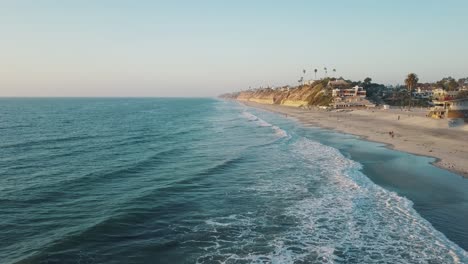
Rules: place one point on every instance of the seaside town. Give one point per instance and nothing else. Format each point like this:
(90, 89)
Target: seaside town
(446, 99)
(427, 119)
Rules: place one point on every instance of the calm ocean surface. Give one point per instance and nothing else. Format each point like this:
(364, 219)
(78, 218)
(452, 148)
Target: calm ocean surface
(209, 181)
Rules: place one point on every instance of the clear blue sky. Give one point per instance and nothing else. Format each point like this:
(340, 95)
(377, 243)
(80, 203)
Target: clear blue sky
(203, 48)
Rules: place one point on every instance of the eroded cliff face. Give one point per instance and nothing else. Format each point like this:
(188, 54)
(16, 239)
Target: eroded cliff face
(302, 96)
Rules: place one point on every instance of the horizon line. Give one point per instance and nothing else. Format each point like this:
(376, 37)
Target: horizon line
(103, 97)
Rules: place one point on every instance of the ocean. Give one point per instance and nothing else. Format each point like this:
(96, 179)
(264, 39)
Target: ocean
(148, 180)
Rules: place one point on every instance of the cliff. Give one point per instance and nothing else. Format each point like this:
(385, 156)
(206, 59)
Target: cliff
(301, 96)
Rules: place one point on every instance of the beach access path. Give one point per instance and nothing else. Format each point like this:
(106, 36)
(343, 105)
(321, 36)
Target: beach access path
(412, 131)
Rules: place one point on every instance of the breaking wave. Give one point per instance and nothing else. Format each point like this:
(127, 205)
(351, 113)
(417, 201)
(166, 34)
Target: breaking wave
(192, 181)
(260, 122)
(333, 214)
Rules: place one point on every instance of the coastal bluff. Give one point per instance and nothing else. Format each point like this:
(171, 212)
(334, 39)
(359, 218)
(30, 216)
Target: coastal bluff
(315, 94)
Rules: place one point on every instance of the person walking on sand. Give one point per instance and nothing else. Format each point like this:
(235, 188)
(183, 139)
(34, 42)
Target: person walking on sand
(398, 117)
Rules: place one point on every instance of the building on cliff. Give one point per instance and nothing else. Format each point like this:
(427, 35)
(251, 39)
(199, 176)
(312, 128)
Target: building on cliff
(338, 84)
(342, 89)
(356, 91)
(349, 97)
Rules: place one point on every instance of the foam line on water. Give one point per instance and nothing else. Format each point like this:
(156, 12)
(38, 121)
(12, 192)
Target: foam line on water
(358, 208)
(345, 219)
(262, 123)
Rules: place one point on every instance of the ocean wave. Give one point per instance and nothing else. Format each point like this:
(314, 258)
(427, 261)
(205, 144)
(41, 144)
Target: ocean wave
(197, 178)
(94, 232)
(246, 196)
(15, 127)
(364, 217)
(221, 167)
(345, 219)
(46, 191)
(48, 141)
(262, 123)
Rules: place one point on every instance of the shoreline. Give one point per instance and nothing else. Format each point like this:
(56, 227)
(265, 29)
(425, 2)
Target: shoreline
(413, 132)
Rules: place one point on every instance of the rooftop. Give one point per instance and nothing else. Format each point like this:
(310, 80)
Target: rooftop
(338, 83)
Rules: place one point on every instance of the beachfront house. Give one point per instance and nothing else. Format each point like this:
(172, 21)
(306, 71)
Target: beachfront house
(442, 95)
(359, 103)
(356, 91)
(354, 97)
(456, 108)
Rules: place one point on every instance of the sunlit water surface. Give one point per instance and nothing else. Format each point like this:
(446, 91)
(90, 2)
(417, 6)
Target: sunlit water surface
(209, 181)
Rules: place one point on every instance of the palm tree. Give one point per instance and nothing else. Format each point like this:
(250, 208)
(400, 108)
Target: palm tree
(325, 69)
(411, 81)
(315, 73)
(334, 71)
(367, 82)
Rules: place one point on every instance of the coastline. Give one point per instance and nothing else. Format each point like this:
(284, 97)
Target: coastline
(413, 132)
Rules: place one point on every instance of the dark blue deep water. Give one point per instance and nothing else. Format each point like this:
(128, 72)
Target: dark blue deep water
(209, 181)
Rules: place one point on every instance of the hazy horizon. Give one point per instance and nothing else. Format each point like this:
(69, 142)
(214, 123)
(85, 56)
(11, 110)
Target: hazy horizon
(205, 48)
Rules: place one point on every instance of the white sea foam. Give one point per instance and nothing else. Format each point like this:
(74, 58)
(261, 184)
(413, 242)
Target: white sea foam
(280, 132)
(249, 116)
(353, 214)
(260, 122)
(333, 214)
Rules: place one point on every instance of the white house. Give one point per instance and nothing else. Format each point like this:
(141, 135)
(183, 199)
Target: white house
(423, 93)
(356, 91)
(309, 82)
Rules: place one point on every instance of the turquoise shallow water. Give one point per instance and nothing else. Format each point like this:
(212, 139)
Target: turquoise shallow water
(208, 181)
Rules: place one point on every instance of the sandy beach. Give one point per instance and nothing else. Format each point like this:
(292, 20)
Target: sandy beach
(412, 131)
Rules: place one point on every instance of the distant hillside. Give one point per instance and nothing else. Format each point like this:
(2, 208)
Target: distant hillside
(305, 95)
